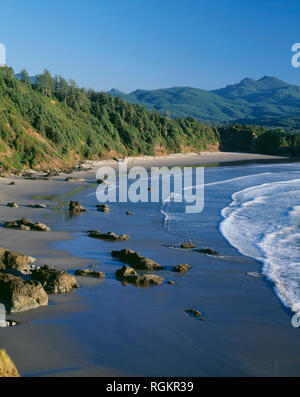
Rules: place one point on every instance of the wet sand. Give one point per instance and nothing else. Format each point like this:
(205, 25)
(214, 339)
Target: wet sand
(45, 343)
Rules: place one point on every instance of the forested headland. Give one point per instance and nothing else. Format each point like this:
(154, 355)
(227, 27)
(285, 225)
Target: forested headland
(52, 123)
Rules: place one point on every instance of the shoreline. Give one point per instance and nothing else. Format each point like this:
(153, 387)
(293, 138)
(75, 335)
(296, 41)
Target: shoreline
(181, 159)
(40, 244)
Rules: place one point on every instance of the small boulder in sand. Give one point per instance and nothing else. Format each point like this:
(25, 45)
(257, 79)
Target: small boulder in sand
(54, 281)
(135, 260)
(129, 275)
(182, 268)
(89, 273)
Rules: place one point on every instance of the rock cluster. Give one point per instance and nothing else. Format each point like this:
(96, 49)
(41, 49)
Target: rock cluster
(24, 286)
(136, 260)
(129, 275)
(27, 224)
(107, 236)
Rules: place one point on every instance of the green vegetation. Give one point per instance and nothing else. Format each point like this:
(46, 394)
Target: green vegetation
(253, 139)
(268, 101)
(47, 122)
(53, 122)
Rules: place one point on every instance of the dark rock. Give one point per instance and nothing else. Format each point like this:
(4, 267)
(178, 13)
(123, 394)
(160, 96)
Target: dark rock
(194, 312)
(12, 205)
(182, 268)
(89, 273)
(135, 260)
(75, 206)
(208, 251)
(36, 205)
(170, 282)
(103, 207)
(99, 181)
(108, 236)
(54, 281)
(129, 213)
(27, 224)
(129, 275)
(187, 245)
(12, 183)
(19, 295)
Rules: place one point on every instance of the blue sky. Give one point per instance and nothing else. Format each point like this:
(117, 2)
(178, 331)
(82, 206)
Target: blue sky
(129, 44)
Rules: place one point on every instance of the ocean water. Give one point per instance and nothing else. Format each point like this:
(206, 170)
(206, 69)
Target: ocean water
(262, 220)
(251, 217)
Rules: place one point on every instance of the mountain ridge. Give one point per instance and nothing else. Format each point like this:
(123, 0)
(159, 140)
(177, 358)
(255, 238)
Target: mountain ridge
(267, 101)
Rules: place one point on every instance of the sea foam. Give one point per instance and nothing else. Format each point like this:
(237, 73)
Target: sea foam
(263, 222)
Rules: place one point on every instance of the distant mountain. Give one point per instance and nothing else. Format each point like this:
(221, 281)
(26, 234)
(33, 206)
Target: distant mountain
(264, 101)
(181, 102)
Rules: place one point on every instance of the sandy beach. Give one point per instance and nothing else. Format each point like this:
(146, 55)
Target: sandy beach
(45, 344)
